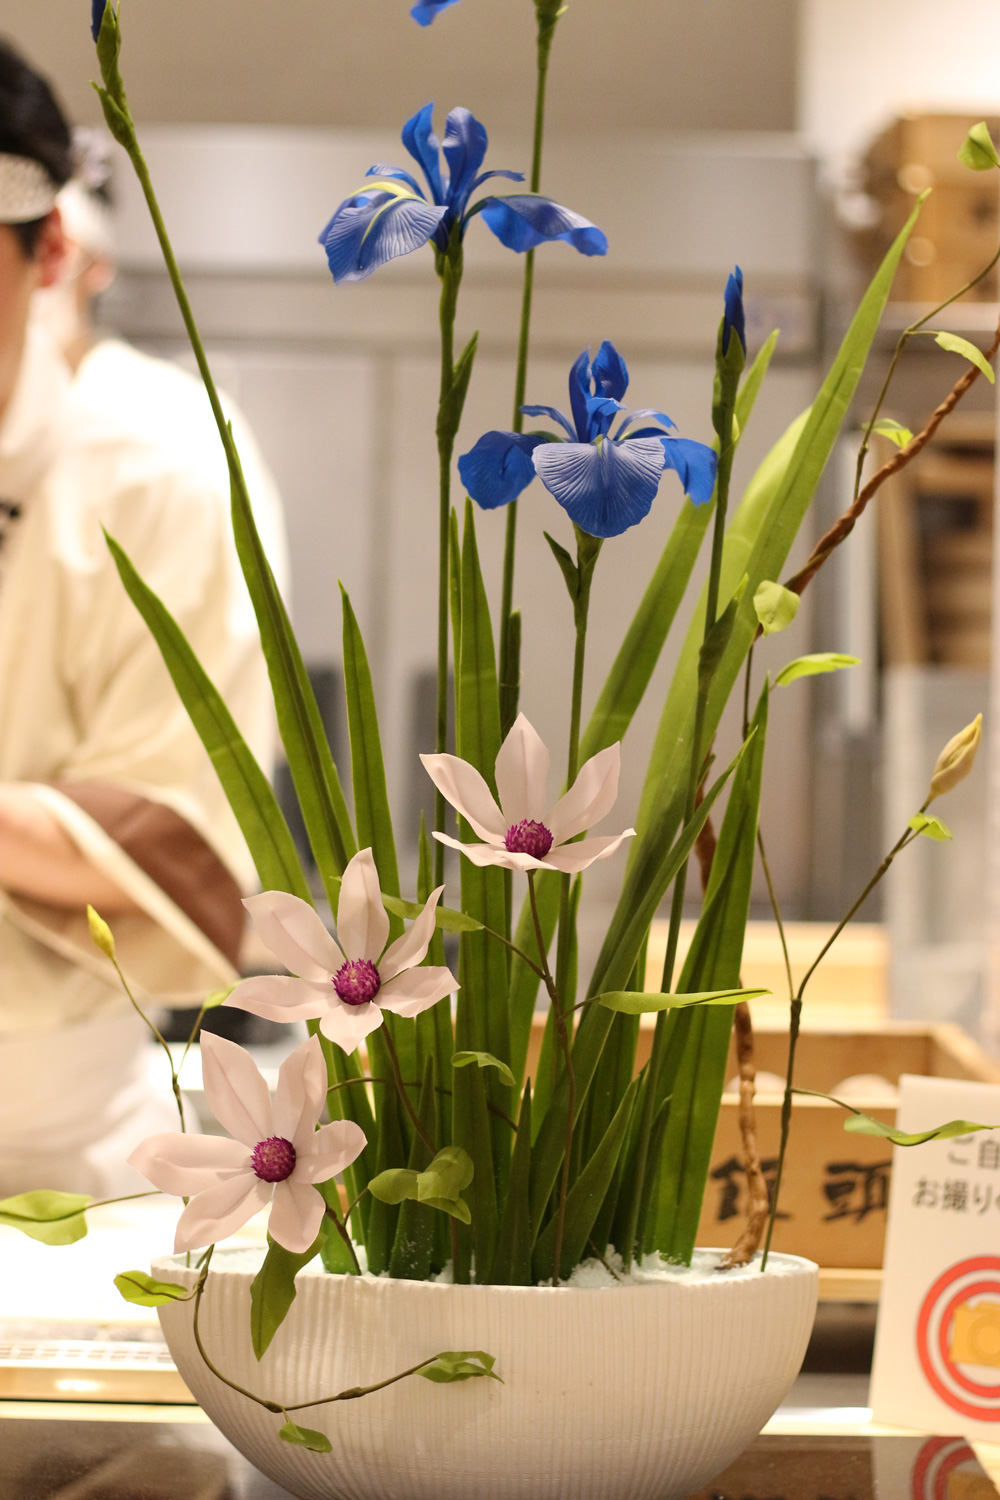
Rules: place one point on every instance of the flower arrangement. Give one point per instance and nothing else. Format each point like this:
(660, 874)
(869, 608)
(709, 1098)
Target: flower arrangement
(447, 1154)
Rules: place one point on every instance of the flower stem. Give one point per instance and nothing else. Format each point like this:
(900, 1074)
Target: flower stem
(449, 269)
(562, 1032)
(415, 1119)
(343, 1231)
(161, 1040)
(508, 668)
(901, 843)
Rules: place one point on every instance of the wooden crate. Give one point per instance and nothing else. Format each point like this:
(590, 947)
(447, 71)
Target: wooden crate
(835, 1190)
(956, 235)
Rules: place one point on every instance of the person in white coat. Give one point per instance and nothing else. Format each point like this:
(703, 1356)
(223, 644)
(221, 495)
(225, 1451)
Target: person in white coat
(106, 794)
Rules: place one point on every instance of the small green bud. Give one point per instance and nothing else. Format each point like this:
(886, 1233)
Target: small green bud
(978, 150)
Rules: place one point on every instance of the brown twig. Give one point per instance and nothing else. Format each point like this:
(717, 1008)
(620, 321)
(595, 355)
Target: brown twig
(759, 1206)
(842, 528)
(759, 1203)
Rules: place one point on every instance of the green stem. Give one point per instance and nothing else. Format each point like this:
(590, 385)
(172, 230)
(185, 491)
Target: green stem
(901, 843)
(415, 1119)
(508, 689)
(161, 1041)
(449, 269)
(587, 552)
(343, 1231)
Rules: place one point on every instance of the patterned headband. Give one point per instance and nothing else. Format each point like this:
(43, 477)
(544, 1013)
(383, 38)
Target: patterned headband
(27, 191)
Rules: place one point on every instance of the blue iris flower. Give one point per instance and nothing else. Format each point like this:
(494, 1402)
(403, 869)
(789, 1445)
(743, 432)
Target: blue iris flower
(605, 483)
(425, 11)
(96, 16)
(734, 318)
(395, 216)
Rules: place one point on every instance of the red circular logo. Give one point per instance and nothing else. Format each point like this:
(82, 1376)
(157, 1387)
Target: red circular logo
(958, 1338)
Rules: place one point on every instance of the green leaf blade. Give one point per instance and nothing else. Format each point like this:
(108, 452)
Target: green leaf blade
(146, 1291)
(956, 345)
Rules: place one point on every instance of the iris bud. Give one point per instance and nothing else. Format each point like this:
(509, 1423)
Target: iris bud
(956, 759)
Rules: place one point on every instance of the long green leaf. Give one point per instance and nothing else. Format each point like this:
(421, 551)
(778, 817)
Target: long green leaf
(413, 1247)
(713, 962)
(372, 814)
(481, 1023)
(512, 1265)
(757, 544)
(317, 783)
(639, 1003)
(586, 1196)
(247, 789)
(593, 1030)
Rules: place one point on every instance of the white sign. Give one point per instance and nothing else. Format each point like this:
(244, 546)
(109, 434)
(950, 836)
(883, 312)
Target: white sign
(937, 1347)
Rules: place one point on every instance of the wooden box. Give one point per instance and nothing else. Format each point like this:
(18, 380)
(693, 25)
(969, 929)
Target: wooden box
(835, 1190)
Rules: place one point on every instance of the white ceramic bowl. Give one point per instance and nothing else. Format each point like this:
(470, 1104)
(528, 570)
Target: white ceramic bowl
(620, 1393)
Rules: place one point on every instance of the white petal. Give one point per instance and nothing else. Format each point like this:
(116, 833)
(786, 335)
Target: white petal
(277, 997)
(186, 1164)
(589, 799)
(294, 932)
(219, 1211)
(328, 1151)
(237, 1094)
(300, 1093)
(522, 774)
(296, 1214)
(348, 1025)
(572, 858)
(362, 924)
(417, 990)
(487, 854)
(462, 785)
(411, 949)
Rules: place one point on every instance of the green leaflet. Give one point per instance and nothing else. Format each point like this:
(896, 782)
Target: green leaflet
(713, 961)
(145, 1291)
(512, 1265)
(51, 1217)
(305, 1437)
(757, 543)
(485, 1060)
(586, 1196)
(272, 1290)
(460, 1364)
(862, 1124)
(621, 695)
(247, 789)
(811, 666)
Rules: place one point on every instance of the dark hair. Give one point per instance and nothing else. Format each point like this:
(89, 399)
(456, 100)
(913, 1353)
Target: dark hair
(33, 125)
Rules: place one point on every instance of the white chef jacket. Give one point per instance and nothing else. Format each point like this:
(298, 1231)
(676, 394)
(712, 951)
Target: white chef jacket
(90, 719)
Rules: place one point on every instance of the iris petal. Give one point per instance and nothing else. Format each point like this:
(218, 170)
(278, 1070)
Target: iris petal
(557, 416)
(498, 467)
(521, 221)
(642, 414)
(364, 234)
(601, 412)
(425, 11)
(500, 172)
(579, 394)
(465, 143)
(605, 489)
(695, 463)
(397, 174)
(734, 314)
(610, 372)
(97, 16)
(422, 144)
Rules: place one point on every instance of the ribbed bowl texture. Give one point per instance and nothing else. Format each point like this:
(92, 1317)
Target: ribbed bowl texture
(637, 1392)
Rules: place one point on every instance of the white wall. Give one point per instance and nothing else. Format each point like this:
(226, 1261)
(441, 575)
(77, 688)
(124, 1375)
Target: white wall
(863, 61)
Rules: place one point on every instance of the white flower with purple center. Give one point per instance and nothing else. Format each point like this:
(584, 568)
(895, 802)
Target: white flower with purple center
(346, 987)
(526, 831)
(276, 1154)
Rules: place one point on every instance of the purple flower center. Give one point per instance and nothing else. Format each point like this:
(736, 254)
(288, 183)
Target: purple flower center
(527, 837)
(357, 981)
(274, 1159)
